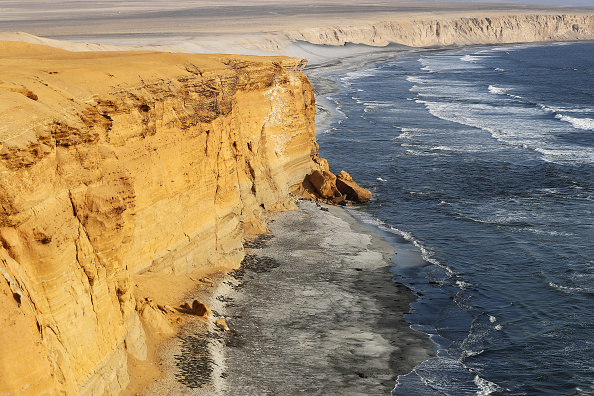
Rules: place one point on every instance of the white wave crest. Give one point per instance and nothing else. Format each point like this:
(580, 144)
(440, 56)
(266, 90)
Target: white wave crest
(403, 135)
(470, 58)
(415, 79)
(546, 232)
(568, 289)
(443, 148)
(567, 155)
(586, 124)
(462, 285)
(358, 74)
(486, 387)
(467, 354)
(426, 254)
(510, 130)
(496, 90)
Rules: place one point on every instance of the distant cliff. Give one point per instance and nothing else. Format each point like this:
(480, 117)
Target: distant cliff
(117, 163)
(427, 29)
(440, 31)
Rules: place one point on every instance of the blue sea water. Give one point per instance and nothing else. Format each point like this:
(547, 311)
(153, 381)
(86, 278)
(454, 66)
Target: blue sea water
(483, 158)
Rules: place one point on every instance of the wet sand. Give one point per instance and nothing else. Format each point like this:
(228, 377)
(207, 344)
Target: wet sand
(314, 310)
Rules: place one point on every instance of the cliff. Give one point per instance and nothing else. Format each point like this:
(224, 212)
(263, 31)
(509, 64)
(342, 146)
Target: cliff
(444, 30)
(428, 25)
(112, 164)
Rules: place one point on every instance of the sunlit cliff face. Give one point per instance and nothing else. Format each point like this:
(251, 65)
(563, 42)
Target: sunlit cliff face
(117, 163)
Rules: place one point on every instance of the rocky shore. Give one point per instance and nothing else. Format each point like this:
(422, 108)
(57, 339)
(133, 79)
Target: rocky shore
(313, 310)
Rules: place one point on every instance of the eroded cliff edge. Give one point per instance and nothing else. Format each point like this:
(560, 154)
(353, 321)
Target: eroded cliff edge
(116, 163)
(423, 27)
(449, 30)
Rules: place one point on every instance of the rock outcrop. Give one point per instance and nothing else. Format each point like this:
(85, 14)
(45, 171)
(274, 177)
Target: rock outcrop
(336, 189)
(113, 164)
(325, 183)
(347, 186)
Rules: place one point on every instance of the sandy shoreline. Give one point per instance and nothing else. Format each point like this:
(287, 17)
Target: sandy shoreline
(325, 60)
(313, 311)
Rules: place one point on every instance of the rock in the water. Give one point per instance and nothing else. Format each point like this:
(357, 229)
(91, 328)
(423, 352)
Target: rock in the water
(222, 324)
(346, 185)
(199, 309)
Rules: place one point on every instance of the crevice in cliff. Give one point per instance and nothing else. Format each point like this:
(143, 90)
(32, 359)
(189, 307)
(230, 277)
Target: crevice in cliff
(74, 207)
(90, 273)
(81, 237)
(191, 68)
(109, 127)
(19, 294)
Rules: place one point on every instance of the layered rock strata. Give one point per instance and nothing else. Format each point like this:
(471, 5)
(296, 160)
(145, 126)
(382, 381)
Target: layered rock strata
(113, 164)
(336, 189)
(447, 31)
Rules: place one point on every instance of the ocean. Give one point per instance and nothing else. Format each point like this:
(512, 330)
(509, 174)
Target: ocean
(481, 162)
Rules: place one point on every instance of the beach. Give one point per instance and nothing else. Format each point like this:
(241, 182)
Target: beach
(313, 310)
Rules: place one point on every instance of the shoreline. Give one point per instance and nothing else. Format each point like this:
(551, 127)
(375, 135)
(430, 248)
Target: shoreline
(328, 319)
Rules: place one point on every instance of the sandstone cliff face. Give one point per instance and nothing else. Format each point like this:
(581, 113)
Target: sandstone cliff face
(117, 163)
(441, 31)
